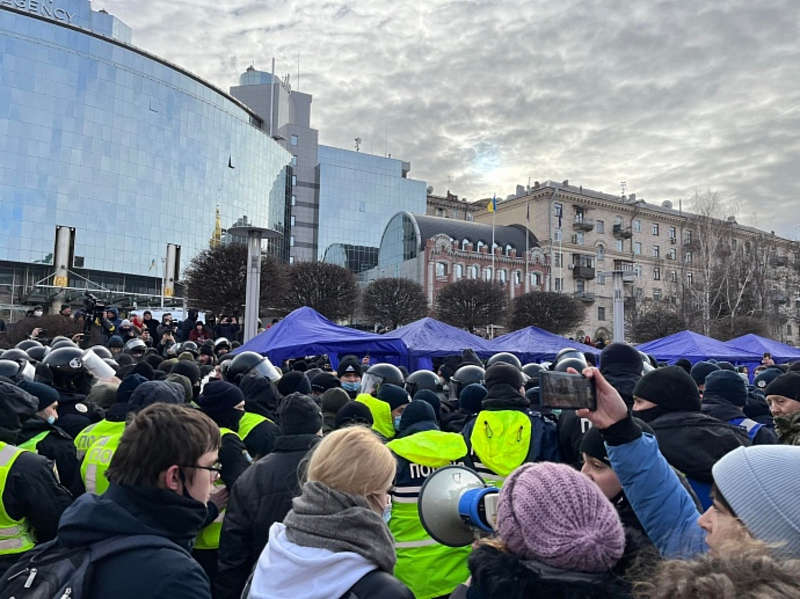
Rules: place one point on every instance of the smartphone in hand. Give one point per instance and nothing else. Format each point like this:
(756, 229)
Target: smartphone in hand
(567, 391)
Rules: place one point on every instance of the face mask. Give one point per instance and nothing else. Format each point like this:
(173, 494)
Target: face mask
(37, 313)
(351, 386)
(387, 513)
(397, 423)
(51, 420)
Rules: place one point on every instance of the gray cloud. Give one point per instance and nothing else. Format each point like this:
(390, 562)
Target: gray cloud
(480, 95)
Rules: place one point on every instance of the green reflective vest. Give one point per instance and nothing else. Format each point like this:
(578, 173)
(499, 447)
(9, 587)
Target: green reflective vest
(426, 567)
(96, 462)
(501, 441)
(382, 420)
(31, 443)
(15, 535)
(208, 539)
(248, 422)
(88, 436)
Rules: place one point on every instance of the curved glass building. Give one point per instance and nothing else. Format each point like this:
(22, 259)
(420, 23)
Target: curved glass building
(130, 152)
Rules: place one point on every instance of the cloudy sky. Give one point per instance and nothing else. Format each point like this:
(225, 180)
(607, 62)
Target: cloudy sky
(480, 96)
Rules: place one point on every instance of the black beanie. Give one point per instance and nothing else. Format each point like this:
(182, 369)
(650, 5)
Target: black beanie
(219, 396)
(154, 360)
(431, 398)
(334, 400)
(701, 370)
(727, 386)
(503, 374)
(45, 394)
(685, 364)
(669, 388)
(151, 392)
(124, 359)
(620, 357)
(471, 398)
(417, 411)
(294, 381)
(298, 414)
(128, 386)
(787, 385)
(724, 365)
(189, 369)
(324, 381)
(354, 412)
(393, 395)
(144, 369)
(592, 442)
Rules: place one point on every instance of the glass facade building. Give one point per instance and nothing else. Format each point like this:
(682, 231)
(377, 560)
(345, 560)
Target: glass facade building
(359, 193)
(131, 151)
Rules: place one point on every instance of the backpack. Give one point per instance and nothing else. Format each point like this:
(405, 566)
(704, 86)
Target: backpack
(53, 571)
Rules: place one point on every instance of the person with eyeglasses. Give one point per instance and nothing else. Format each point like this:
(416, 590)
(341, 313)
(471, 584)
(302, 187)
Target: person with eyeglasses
(161, 478)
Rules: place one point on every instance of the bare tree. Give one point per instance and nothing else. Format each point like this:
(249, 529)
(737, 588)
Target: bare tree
(555, 312)
(394, 302)
(216, 280)
(471, 303)
(331, 290)
(656, 321)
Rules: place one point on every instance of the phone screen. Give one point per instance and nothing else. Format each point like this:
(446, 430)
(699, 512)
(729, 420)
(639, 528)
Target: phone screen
(567, 391)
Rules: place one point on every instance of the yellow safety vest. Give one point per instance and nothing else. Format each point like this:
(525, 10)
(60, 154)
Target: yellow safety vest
(208, 539)
(88, 436)
(96, 462)
(426, 567)
(248, 422)
(15, 535)
(31, 443)
(382, 421)
(501, 441)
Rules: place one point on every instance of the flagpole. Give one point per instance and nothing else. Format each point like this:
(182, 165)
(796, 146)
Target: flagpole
(494, 215)
(527, 243)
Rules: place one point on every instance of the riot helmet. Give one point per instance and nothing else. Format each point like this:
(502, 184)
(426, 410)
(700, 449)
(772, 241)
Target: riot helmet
(102, 351)
(379, 374)
(64, 342)
(66, 367)
(135, 347)
(26, 344)
(466, 375)
(37, 352)
(17, 371)
(506, 357)
(250, 363)
(17, 355)
(423, 379)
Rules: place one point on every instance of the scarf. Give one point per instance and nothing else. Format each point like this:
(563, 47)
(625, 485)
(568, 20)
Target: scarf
(329, 519)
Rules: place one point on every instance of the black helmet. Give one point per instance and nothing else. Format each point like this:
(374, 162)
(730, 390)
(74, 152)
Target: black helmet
(58, 338)
(37, 352)
(250, 363)
(66, 366)
(532, 371)
(466, 375)
(26, 344)
(63, 343)
(191, 347)
(423, 379)
(17, 355)
(135, 345)
(222, 342)
(570, 362)
(12, 369)
(102, 351)
(506, 357)
(379, 374)
(568, 352)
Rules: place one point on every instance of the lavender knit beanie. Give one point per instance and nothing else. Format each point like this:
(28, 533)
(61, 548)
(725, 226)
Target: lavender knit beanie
(553, 514)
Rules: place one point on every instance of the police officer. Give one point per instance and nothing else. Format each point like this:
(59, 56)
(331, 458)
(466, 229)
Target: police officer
(349, 373)
(426, 567)
(386, 404)
(68, 375)
(41, 435)
(506, 432)
(31, 496)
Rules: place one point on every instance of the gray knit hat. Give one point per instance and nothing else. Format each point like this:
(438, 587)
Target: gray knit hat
(762, 484)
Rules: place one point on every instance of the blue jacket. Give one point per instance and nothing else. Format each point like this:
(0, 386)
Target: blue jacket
(664, 507)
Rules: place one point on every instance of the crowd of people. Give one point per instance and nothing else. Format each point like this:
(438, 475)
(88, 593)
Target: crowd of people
(162, 463)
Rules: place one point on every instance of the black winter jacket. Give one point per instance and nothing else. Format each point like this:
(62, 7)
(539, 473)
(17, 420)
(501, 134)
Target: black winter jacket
(153, 573)
(59, 447)
(75, 413)
(378, 585)
(498, 573)
(724, 410)
(262, 496)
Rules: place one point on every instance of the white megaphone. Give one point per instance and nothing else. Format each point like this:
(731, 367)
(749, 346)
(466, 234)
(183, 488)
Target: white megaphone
(456, 506)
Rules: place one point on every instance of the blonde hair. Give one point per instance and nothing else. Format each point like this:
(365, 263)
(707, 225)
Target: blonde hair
(746, 571)
(353, 460)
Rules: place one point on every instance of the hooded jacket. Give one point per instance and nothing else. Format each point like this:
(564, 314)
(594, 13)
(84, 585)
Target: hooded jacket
(721, 409)
(259, 396)
(497, 573)
(58, 446)
(261, 496)
(153, 573)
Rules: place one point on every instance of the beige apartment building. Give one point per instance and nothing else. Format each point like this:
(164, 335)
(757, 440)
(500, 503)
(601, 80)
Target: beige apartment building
(662, 249)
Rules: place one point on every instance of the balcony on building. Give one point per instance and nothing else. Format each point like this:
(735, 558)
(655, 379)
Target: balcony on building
(581, 223)
(626, 266)
(622, 232)
(691, 243)
(584, 296)
(582, 269)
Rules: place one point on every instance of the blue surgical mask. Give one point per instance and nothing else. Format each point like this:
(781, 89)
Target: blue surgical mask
(51, 420)
(387, 513)
(351, 386)
(397, 423)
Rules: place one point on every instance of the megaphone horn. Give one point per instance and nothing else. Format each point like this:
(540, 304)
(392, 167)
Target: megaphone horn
(456, 506)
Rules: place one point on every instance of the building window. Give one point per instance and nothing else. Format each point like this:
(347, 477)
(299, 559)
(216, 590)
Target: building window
(558, 259)
(687, 237)
(789, 329)
(440, 212)
(636, 225)
(536, 279)
(654, 228)
(637, 269)
(687, 257)
(441, 270)
(601, 252)
(517, 277)
(502, 276)
(601, 313)
(671, 254)
(293, 140)
(558, 283)
(673, 276)
(689, 278)
(291, 259)
(291, 240)
(469, 218)
(578, 214)
(487, 274)
(558, 212)
(294, 160)
(639, 292)
(600, 226)
(458, 271)
(734, 243)
(508, 249)
(637, 247)
(294, 180)
(473, 272)
(656, 251)
(579, 238)
(480, 245)
(601, 278)
(617, 220)
(618, 244)
(656, 273)
(673, 233)
(657, 294)
(294, 199)
(291, 220)
(557, 235)
(464, 244)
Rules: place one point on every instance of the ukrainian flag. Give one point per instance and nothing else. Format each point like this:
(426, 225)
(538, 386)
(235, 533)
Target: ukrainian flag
(492, 207)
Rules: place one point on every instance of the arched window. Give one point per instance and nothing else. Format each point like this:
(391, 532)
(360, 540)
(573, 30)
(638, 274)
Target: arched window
(487, 274)
(536, 279)
(458, 271)
(473, 271)
(517, 277)
(480, 245)
(508, 249)
(601, 252)
(464, 244)
(502, 276)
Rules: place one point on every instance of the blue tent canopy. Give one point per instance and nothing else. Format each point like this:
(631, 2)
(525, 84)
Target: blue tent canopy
(756, 344)
(305, 332)
(429, 338)
(696, 347)
(533, 344)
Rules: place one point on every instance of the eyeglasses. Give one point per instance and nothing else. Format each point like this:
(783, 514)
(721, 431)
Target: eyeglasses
(215, 470)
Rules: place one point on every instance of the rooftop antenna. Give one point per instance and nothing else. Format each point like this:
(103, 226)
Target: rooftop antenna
(358, 144)
(623, 185)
